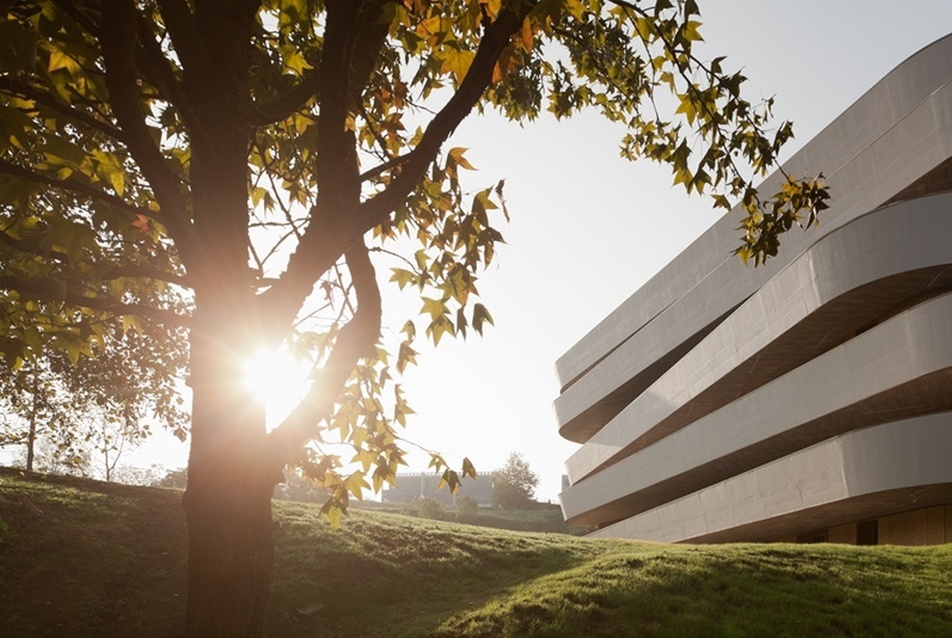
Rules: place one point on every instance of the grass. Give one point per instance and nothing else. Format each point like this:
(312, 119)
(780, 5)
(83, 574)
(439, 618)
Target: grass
(82, 558)
(541, 518)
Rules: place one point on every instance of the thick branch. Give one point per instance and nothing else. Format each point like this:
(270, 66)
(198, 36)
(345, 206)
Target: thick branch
(351, 31)
(336, 164)
(118, 47)
(16, 88)
(49, 290)
(77, 188)
(290, 102)
(156, 69)
(137, 271)
(383, 167)
(180, 24)
(355, 341)
(470, 90)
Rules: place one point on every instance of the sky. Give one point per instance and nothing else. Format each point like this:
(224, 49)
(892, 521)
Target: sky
(588, 228)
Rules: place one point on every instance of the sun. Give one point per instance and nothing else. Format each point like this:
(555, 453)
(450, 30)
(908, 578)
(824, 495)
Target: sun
(277, 379)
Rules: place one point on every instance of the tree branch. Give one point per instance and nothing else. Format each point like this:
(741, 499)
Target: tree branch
(118, 47)
(354, 341)
(471, 89)
(23, 90)
(290, 102)
(180, 24)
(138, 271)
(156, 69)
(383, 167)
(77, 188)
(351, 26)
(50, 290)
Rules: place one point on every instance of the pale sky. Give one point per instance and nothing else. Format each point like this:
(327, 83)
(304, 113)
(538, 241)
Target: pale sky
(589, 228)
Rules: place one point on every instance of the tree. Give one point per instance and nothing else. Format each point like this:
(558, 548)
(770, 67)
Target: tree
(34, 404)
(514, 483)
(101, 405)
(299, 487)
(467, 508)
(257, 157)
(173, 478)
(431, 508)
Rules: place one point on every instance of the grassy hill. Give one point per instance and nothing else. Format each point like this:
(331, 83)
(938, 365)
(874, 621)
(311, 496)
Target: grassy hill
(82, 558)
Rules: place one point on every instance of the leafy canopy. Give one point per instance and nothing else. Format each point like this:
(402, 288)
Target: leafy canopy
(249, 161)
(514, 483)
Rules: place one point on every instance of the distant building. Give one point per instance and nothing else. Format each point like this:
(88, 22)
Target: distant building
(805, 400)
(412, 487)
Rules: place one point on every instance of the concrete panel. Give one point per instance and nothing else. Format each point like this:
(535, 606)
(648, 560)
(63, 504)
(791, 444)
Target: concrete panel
(906, 363)
(865, 451)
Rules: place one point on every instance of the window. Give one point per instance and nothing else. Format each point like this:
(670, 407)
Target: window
(867, 532)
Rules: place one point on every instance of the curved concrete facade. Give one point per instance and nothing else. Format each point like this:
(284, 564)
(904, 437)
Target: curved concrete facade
(718, 398)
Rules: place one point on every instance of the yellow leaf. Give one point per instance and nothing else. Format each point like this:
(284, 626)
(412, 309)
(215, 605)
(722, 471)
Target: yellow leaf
(333, 515)
(130, 322)
(457, 63)
(457, 155)
(491, 7)
(60, 60)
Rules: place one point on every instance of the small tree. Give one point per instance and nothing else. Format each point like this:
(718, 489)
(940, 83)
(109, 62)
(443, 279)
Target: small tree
(430, 508)
(467, 507)
(297, 486)
(173, 478)
(33, 404)
(514, 483)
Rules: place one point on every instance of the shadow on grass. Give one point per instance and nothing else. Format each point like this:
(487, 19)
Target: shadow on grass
(412, 574)
(84, 558)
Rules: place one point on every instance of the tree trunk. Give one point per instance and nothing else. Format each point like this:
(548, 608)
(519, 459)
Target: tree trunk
(230, 554)
(31, 435)
(228, 499)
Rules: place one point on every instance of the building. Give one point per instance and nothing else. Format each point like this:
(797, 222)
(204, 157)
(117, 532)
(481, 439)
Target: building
(411, 487)
(807, 399)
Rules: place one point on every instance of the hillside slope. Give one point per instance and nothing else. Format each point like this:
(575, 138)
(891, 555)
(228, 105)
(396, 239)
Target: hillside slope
(83, 558)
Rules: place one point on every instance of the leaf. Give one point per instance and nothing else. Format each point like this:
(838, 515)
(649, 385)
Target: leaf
(450, 479)
(403, 277)
(130, 322)
(434, 307)
(480, 316)
(333, 514)
(355, 484)
(456, 155)
(59, 59)
(457, 63)
(405, 356)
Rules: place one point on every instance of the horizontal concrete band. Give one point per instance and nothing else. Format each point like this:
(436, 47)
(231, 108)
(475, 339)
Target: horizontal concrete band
(849, 280)
(896, 133)
(868, 473)
(897, 369)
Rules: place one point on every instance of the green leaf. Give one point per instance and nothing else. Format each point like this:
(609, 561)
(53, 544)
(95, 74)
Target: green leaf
(480, 316)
